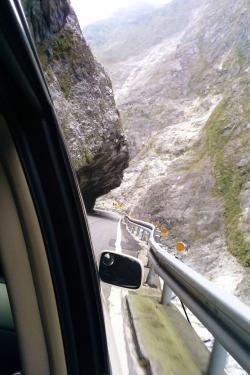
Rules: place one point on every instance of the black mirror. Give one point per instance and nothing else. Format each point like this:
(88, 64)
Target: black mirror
(121, 270)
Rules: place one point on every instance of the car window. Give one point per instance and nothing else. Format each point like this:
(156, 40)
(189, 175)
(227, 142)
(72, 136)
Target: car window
(171, 98)
(9, 354)
(48, 220)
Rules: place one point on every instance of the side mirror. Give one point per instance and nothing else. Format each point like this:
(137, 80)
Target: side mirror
(120, 269)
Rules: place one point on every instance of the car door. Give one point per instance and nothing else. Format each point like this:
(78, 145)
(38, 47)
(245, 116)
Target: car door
(46, 256)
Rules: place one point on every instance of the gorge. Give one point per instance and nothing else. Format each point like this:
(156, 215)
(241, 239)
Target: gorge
(181, 78)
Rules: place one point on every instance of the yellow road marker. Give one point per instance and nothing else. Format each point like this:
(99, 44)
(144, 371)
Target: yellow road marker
(180, 246)
(164, 232)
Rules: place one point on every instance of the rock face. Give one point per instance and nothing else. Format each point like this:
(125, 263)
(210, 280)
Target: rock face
(83, 97)
(46, 17)
(183, 93)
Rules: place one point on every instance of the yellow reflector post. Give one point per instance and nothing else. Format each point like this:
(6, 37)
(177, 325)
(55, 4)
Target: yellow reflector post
(164, 232)
(180, 246)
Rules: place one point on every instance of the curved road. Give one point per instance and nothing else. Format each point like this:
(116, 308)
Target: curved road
(109, 233)
(106, 234)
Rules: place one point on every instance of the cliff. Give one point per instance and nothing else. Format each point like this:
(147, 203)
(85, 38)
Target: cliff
(83, 97)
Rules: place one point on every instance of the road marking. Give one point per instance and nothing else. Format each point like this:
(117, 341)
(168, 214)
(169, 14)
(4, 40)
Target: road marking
(118, 247)
(117, 322)
(115, 303)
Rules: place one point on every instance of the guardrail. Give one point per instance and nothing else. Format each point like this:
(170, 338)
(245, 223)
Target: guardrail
(222, 314)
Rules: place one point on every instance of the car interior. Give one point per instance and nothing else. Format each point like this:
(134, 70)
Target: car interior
(30, 335)
(51, 315)
(50, 296)
(26, 292)
(9, 354)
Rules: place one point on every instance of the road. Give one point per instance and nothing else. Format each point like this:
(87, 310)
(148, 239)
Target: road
(103, 230)
(109, 233)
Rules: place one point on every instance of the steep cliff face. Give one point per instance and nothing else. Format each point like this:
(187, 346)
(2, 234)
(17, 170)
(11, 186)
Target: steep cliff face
(46, 17)
(184, 98)
(83, 97)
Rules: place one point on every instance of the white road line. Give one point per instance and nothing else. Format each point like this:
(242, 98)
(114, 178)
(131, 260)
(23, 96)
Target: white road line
(118, 241)
(117, 322)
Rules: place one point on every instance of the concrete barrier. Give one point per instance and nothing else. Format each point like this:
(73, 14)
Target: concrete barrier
(165, 341)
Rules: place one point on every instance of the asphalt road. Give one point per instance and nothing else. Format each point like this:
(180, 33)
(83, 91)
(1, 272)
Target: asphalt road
(109, 233)
(104, 230)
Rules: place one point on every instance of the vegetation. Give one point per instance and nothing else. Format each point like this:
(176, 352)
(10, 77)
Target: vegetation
(242, 56)
(229, 179)
(62, 46)
(65, 85)
(87, 154)
(120, 123)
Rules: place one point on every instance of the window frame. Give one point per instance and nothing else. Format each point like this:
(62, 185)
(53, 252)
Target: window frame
(28, 110)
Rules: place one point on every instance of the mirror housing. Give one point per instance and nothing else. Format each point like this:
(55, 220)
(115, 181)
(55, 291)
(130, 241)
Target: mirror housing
(120, 270)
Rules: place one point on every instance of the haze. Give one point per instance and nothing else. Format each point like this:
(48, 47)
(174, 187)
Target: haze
(96, 10)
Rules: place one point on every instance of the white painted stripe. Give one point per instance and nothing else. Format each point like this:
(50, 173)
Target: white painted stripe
(118, 241)
(115, 304)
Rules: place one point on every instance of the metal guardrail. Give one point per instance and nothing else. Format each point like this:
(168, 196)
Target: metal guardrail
(222, 314)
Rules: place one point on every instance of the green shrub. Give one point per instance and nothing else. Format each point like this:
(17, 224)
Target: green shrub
(229, 180)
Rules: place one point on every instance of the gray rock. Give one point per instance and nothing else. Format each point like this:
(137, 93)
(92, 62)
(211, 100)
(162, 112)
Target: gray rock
(83, 97)
(183, 94)
(46, 17)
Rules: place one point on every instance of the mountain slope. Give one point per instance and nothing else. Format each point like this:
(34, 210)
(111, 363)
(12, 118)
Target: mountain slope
(184, 94)
(184, 103)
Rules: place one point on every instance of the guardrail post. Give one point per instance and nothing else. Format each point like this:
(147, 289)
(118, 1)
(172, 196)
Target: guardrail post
(152, 278)
(166, 294)
(144, 235)
(217, 360)
(157, 236)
